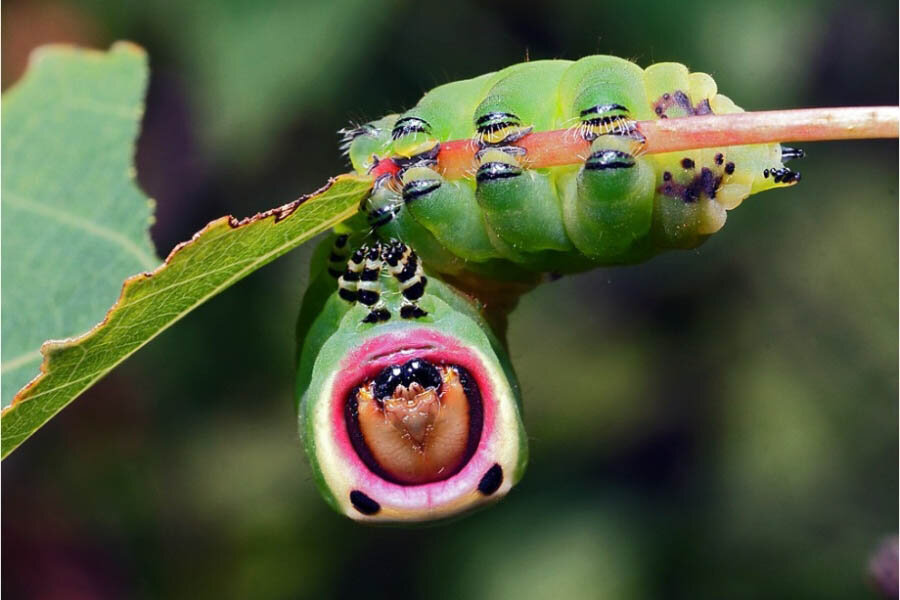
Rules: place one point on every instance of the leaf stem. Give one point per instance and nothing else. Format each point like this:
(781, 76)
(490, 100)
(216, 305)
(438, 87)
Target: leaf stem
(801, 125)
(565, 146)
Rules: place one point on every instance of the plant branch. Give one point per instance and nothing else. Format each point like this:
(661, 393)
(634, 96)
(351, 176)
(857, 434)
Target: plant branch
(565, 146)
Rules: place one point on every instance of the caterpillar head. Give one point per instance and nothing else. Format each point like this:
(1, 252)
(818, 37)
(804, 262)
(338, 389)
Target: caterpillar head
(412, 415)
(364, 143)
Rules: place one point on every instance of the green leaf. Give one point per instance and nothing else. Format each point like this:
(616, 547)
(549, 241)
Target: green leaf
(219, 255)
(222, 253)
(74, 222)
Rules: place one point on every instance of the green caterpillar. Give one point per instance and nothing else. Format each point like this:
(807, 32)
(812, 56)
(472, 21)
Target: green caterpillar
(409, 407)
(510, 221)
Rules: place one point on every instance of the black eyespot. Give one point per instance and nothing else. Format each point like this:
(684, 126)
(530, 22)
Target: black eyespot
(416, 370)
(363, 503)
(729, 167)
(687, 163)
(491, 480)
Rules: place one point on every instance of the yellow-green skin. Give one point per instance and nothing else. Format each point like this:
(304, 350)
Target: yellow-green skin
(569, 218)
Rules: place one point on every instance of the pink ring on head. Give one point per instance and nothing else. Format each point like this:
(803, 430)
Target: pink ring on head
(389, 349)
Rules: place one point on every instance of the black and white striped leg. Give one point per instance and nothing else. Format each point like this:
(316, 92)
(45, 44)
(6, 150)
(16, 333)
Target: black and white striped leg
(348, 283)
(403, 263)
(369, 288)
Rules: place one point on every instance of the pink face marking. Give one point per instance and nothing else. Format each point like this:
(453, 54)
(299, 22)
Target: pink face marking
(394, 348)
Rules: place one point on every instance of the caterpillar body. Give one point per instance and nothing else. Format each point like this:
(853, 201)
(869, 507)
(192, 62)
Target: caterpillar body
(507, 221)
(409, 408)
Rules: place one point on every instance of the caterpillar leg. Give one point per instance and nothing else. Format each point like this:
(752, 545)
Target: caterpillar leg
(361, 282)
(404, 265)
(348, 282)
(435, 202)
(609, 209)
(369, 291)
(520, 206)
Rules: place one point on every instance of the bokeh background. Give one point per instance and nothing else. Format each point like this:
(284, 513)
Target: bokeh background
(720, 423)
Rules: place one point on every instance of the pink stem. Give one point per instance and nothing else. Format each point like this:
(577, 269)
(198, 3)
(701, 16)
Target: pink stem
(565, 147)
(802, 125)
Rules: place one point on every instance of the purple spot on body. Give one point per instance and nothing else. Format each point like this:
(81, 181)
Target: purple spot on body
(706, 183)
(679, 100)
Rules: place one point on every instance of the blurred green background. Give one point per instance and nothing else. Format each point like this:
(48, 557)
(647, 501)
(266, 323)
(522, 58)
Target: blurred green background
(719, 423)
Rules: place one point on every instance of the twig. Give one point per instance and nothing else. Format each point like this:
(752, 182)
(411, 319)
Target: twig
(565, 146)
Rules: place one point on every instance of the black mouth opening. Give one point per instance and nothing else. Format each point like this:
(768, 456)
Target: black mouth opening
(428, 375)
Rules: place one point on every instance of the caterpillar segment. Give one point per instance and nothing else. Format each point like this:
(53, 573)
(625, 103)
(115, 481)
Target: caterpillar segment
(507, 220)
